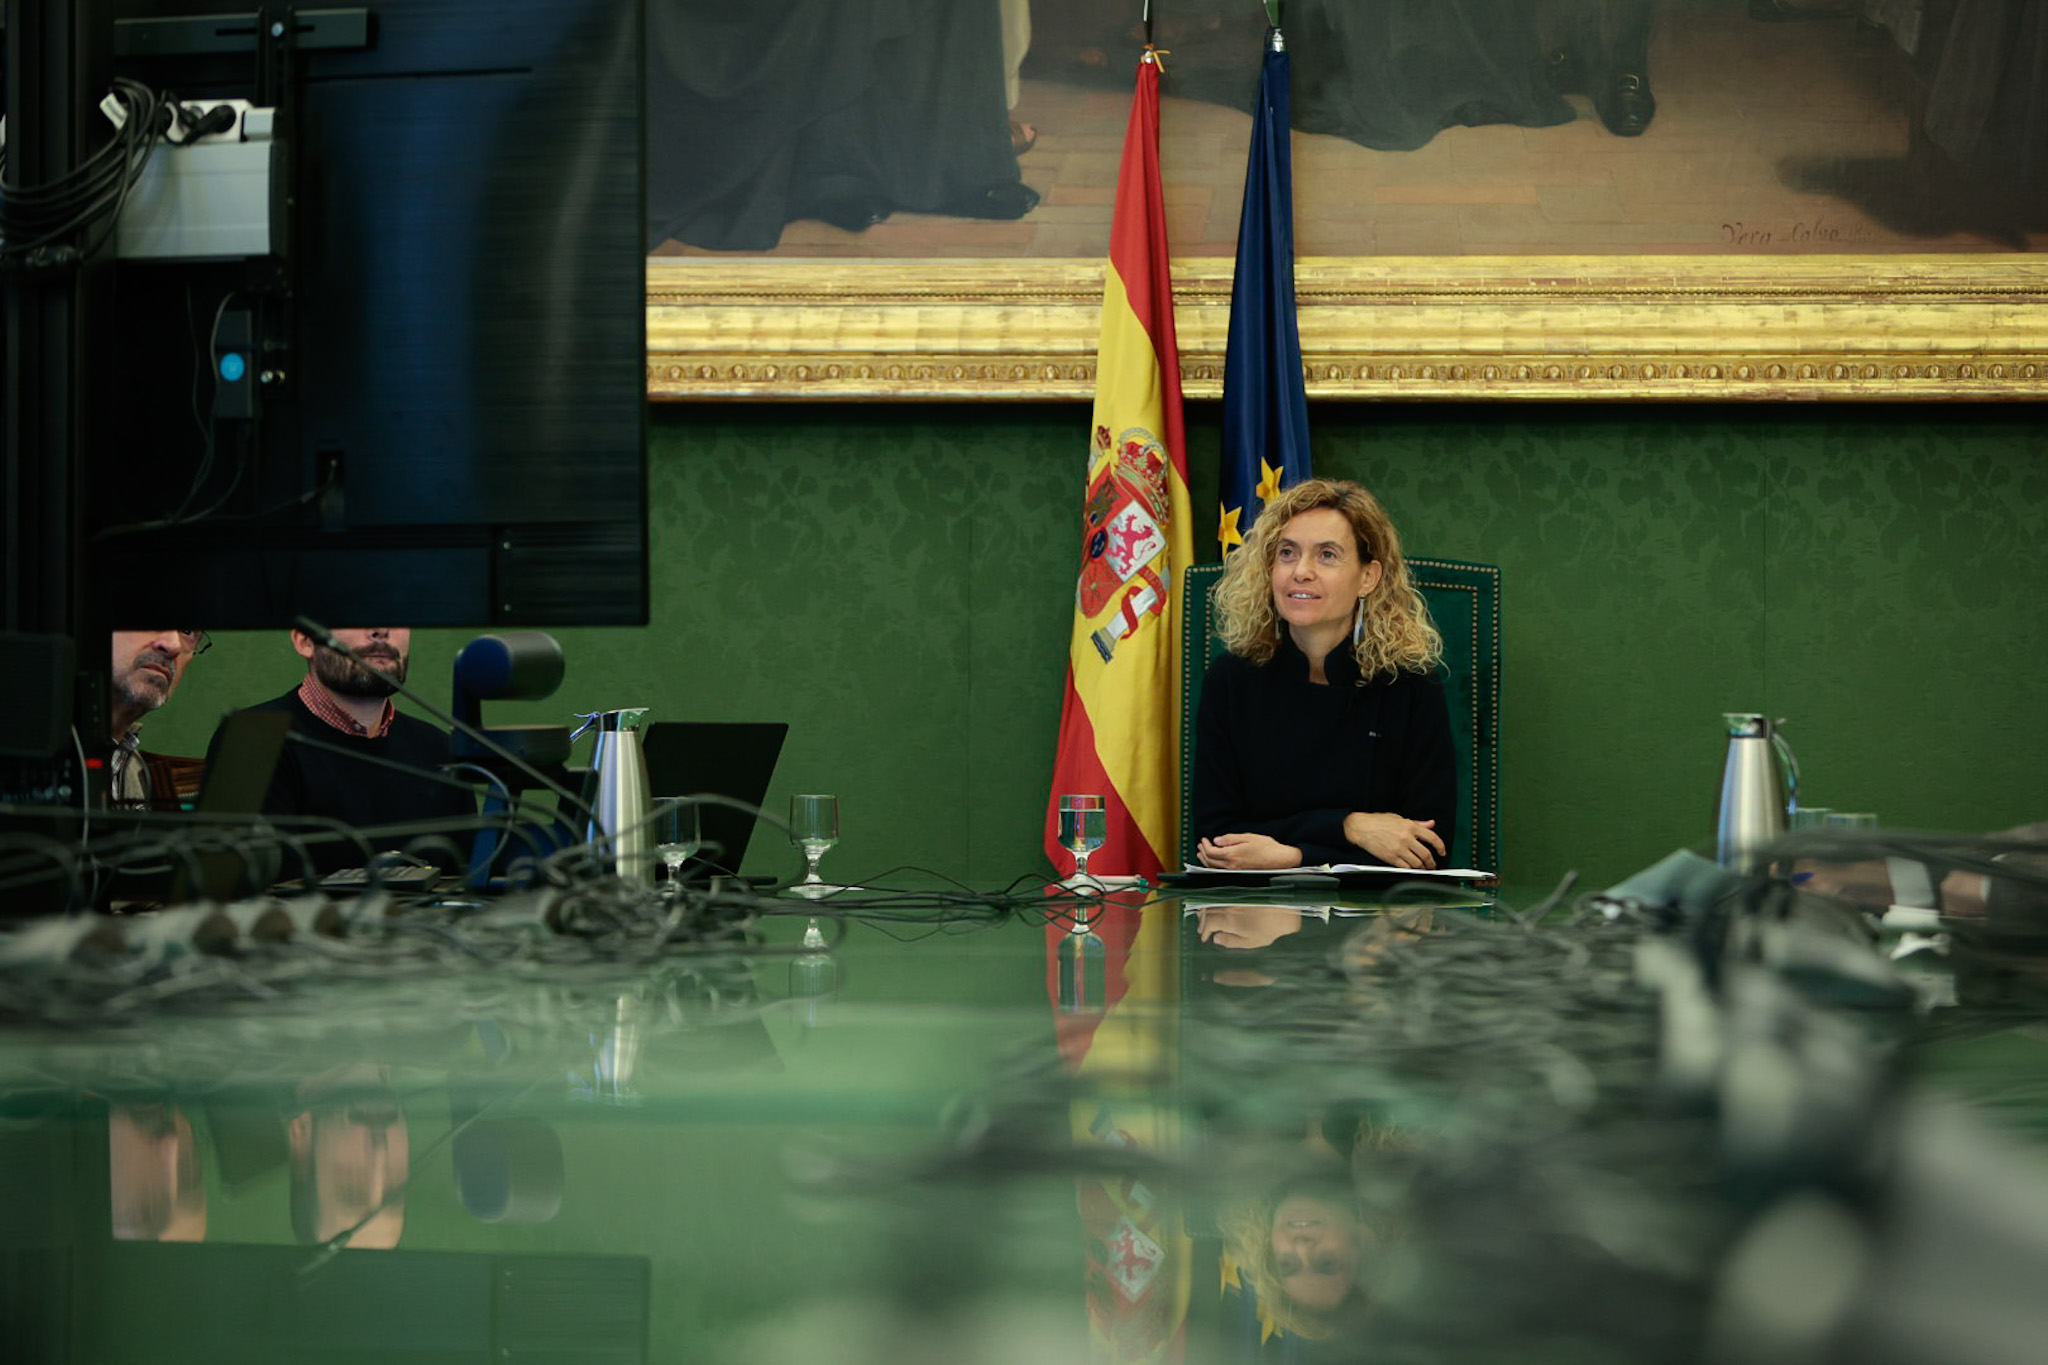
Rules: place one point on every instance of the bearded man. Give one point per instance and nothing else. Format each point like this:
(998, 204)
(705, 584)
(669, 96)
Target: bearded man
(351, 755)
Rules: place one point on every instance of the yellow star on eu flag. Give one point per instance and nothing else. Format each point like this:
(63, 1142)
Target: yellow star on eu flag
(1227, 533)
(1269, 483)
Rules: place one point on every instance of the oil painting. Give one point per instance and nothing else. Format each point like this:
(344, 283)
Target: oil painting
(1568, 197)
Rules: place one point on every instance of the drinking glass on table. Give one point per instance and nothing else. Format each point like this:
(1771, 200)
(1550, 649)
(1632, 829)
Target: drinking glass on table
(678, 835)
(1084, 825)
(1809, 817)
(1862, 820)
(814, 825)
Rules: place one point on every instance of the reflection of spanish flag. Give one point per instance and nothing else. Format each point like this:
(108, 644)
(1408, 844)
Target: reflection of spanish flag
(1117, 726)
(1139, 1256)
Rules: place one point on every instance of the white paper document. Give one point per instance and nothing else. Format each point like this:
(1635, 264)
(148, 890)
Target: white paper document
(1456, 874)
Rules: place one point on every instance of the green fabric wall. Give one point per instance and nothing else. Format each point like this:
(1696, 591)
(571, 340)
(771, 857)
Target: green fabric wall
(896, 581)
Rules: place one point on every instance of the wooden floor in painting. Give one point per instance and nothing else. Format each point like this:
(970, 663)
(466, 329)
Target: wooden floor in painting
(1756, 124)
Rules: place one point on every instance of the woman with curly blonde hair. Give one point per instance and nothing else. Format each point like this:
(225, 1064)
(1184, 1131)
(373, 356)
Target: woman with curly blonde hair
(1303, 1253)
(1323, 735)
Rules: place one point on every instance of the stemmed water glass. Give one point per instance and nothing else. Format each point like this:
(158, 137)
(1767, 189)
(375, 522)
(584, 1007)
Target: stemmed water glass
(814, 825)
(679, 835)
(1084, 825)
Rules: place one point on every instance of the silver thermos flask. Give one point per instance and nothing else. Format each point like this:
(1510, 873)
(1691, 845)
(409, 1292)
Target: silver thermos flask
(618, 797)
(1759, 784)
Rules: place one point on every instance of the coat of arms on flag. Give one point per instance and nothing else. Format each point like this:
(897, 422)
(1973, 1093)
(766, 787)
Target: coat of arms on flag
(1125, 558)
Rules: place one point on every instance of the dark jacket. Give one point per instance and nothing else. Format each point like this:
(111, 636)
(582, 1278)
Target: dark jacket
(1279, 755)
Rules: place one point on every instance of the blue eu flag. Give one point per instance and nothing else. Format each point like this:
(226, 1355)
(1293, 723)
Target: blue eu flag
(1265, 404)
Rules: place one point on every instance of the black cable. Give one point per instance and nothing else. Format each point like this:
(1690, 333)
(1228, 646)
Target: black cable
(143, 839)
(202, 366)
(37, 221)
(211, 515)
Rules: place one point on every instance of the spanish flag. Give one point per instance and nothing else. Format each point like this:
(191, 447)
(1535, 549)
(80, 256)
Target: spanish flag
(1119, 721)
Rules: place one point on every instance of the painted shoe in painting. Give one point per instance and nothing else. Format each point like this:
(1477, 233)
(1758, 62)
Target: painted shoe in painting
(1626, 106)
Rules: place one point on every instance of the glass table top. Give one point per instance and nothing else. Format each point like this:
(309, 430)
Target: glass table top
(1038, 1127)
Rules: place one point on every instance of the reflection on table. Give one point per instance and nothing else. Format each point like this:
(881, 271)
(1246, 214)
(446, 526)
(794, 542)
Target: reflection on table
(1073, 1125)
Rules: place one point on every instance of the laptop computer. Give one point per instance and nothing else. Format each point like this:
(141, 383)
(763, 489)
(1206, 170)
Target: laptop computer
(235, 784)
(733, 759)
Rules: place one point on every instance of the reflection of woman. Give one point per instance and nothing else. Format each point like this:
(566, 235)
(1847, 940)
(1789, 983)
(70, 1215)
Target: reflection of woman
(1301, 1250)
(1323, 735)
(1242, 928)
(1249, 946)
(1315, 1239)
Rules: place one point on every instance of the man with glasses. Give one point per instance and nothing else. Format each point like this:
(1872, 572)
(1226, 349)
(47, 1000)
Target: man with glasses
(147, 665)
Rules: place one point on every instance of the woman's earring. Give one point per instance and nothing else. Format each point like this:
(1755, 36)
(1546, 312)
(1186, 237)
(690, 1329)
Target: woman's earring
(1358, 625)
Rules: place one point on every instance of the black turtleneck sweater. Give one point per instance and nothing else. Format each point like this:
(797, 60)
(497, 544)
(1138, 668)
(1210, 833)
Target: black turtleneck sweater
(1279, 755)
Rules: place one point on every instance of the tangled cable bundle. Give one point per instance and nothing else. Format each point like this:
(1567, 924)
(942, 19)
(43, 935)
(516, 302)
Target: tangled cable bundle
(39, 222)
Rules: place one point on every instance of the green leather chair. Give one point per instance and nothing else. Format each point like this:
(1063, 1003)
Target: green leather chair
(1464, 601)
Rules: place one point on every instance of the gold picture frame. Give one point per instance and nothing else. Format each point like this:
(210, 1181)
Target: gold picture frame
(1891, 327)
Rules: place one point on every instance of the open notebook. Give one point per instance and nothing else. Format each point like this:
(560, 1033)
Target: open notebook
(1324, 875)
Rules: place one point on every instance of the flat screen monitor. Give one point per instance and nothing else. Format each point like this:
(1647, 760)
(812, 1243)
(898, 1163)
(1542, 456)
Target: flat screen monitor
(442, 415)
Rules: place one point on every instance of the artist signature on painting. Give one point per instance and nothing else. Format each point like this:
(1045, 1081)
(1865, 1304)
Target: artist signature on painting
(1818, 232)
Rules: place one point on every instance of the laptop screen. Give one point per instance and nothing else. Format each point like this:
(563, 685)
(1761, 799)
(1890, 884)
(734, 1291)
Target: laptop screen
(237, 779)
(733, 759)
